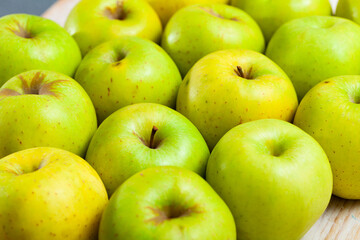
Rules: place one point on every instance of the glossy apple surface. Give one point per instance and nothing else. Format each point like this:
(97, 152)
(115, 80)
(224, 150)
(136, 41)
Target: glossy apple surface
(92, 22)
(311, 50)
(30, 42)
(330, 112)
(141, 136)
(45, 109)
(230, 87)
(274, 177)
(48, 193)
(126, 71)
(196, 31)
(165, 9)
(270, 15)
(166, 203)
(349, 9)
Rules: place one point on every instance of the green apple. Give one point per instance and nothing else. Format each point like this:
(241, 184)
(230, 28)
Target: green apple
(311, 50)
(274, 177)
(145, 135)
(196, 31)
(48, 193)
(330, 112)
(92, 22)
(166, 203)
(230, 87)
(349, 9)
(30, 42)
(165, 9)
(270, 15)
(126, 71)
(45, 109)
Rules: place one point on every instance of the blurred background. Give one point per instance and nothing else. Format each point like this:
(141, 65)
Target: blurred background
(24, 6)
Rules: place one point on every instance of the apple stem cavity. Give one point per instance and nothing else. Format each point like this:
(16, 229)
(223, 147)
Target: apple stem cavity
(355, 99)
(116, 13)
(118, 58)
(152, 136)
(22, 32)
(240, 72)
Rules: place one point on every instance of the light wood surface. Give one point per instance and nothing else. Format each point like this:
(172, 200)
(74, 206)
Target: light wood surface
(341, 220)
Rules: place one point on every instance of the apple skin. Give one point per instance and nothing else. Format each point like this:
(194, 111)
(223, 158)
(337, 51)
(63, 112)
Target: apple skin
(48, 193)
(44, 45)
(166, 203)
(165, 9)
(349, 9)
(92, 22)
(196, 31)
(45, 109)
(270, 15)
(330, 112)
(216, 99)
(120, 147)
(274, 177)
(127, 71)
(311, 50)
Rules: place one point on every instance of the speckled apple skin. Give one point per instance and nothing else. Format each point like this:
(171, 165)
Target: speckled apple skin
(120, 149)
(329, 114)
(45, 109)
(196, 31)
(135, 210)
(274, 177)
(49, 194)
(216, 99)
(49, 48)
(127, 71)
(165, 9)
(89, 24)
(349, 9)
(311, 50)
(270, 15)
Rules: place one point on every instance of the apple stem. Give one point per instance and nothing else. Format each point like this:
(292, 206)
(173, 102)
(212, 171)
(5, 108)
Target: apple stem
(239, 71)
(22, 32)
(153, 131)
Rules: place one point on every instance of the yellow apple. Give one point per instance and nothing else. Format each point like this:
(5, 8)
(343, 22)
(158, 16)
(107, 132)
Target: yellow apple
(330, 113)
(48, 193)
(231, 87)
(165, 9)
(92, 22)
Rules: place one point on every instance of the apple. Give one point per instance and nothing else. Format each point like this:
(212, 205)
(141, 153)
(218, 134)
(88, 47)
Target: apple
(311, 50)
(165, 9)
(145, 135)
(45, 109)
(126, 71)
(274, 177)
(92, 22)
(270, 15)
(330, 112)
(30, 42)
(166, 203)
(196, 31)
(230, 87)
(349, 9)
(48, 193)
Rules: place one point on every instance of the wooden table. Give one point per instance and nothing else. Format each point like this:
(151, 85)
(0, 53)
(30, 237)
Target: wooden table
(341, 220)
